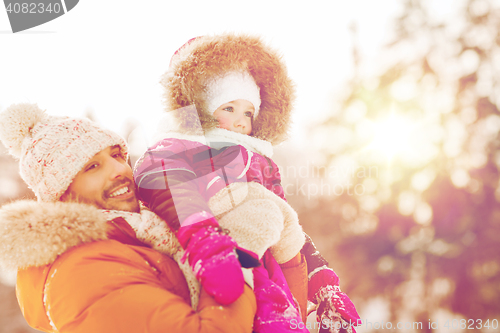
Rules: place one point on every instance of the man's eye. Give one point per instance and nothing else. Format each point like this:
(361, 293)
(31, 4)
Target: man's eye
(229, 109)
(91, 166)
(117, 153)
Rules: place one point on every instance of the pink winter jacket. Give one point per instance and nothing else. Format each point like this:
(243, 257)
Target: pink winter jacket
(192, 173)
(176, 178)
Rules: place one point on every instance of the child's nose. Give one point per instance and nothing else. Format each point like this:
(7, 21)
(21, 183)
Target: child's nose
(240, 121)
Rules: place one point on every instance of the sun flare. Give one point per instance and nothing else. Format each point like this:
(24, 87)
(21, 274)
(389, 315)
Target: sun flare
(391, 136)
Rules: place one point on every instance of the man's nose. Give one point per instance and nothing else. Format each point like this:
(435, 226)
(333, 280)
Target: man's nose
(117, 169)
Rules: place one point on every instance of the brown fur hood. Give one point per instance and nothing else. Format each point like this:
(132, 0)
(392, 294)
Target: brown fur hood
(206, 57)
(35, 233)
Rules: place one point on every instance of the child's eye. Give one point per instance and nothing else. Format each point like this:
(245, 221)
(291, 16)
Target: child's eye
(248, 114)
(229, 109)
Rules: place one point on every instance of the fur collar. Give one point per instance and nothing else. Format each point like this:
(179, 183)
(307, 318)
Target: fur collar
(207, 57)
(221, 135)
(149, 228)
(35, 233)
(152, 230)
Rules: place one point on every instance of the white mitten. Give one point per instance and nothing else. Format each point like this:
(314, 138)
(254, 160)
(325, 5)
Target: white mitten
(255, 225)
(260, 217)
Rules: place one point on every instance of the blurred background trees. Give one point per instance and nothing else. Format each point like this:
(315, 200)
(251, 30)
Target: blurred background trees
(406, 171)
(11, 186)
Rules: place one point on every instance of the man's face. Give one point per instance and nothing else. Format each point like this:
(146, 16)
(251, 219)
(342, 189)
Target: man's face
(106, 182)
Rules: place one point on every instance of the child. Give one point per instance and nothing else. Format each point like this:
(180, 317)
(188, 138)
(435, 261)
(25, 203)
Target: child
(232, 99)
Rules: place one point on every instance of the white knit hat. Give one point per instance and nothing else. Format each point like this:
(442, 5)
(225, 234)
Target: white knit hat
(52, 150)
(230, 87)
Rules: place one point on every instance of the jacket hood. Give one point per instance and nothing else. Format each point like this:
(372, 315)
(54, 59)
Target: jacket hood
(207, 57)
(35, 233)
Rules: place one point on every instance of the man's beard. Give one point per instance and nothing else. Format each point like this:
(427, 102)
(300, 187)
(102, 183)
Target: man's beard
(107, 203)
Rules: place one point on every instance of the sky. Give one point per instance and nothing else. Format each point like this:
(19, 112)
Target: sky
(108, 56)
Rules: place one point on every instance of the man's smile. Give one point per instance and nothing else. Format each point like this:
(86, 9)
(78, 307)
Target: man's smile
(121, 190)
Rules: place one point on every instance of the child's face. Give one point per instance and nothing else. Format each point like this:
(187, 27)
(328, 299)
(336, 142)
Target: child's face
(236, 116)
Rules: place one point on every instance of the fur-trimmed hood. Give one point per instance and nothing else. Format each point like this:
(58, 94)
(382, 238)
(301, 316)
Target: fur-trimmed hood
(207, 57)
(35, 233)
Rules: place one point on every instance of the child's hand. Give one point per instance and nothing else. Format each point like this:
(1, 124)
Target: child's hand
(211, 254)
(328, 317)
(324, 290)
(276, 312)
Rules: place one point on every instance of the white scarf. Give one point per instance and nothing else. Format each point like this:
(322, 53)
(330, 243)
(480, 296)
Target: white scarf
(221, 135)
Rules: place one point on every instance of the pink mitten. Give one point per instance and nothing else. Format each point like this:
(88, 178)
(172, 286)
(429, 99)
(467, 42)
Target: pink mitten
(276, 312)
(324, 290)
(211, 254)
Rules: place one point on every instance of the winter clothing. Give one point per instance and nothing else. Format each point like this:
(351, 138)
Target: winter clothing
(296, 280)
(197, 167)
(52, 150)
(150, 229)
(153, 231)
(201, 178)
(78, 272)
(211, 255)
(333, 305)
(207, 57)
(255, 216)
(276, 311)
(230, 87)
(74, 265)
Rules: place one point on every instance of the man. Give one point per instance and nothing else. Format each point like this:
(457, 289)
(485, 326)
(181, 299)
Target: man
(80, 265)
